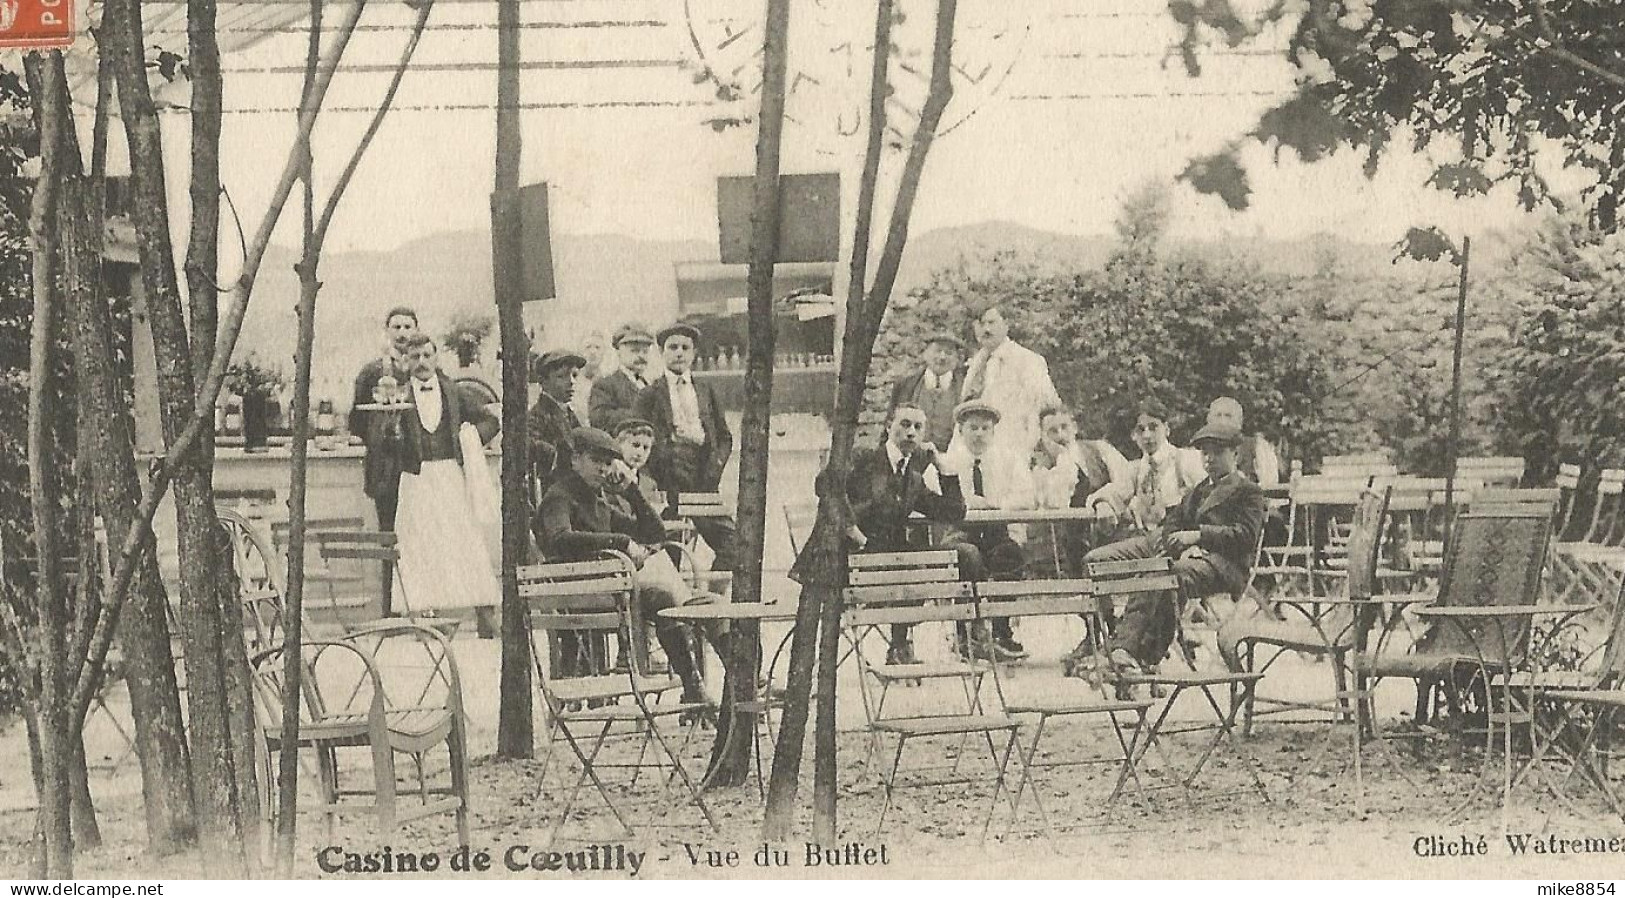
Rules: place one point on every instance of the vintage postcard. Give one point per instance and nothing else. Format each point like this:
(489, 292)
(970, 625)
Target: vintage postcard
(833, 439)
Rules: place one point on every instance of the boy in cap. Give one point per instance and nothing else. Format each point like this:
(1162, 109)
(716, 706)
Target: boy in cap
(1255, 457)
(935, 388)
(581, 515)
(1210, 535)
(557, 372)
(993, 478)
(615, 396)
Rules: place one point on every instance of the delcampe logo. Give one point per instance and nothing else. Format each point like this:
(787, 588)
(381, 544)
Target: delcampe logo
(36, 24)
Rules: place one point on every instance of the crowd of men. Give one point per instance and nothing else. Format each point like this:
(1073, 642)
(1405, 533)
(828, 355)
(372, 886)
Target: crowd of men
(985, 432)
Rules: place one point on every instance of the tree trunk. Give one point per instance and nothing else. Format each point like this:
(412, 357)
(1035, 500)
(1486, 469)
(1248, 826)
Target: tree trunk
(824, 571)
(55, 734)
(515, 728)
(149, 666)
(731, 752)
(214, 765)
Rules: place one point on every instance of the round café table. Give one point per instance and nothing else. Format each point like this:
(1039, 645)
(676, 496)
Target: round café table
(1494, 645)
(740, 612)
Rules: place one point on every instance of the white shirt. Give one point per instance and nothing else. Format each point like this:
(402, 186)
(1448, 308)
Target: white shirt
(933, 381)
(1007, 481)
(895, 455)
(685, 407)
(426, 396)
(1179, 470)
(1015, 380)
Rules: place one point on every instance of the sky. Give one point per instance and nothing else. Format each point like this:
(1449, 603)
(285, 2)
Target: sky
(1063, 107)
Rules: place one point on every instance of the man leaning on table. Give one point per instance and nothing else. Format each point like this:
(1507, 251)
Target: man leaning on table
(1210, 535)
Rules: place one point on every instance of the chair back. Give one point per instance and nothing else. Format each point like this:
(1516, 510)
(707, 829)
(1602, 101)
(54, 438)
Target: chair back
(1497, 500)
(587, 598)
(1568, 484)
(1492, 560)
(1365, 541)
(1358, 465)
(905, 588)
(1605, 509)
(1136, 575)
(701, 505)
(1495, 470)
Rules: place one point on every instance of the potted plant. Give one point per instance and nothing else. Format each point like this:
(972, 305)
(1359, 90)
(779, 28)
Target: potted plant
(255, 382)
(468, 329)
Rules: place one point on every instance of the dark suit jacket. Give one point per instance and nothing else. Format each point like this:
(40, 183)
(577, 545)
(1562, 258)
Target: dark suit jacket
(381, 468)
(550, 425)
(574, 521)
(907, 389)
(882, 502)
(1229, 516)
(654, 405)
(613, 399)
(457, 407)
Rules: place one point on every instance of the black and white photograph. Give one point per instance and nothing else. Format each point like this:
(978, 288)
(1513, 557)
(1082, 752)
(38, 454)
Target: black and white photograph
(606, 440)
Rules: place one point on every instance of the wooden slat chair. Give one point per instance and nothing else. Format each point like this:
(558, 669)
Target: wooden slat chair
(1596, 561)
(919, 589)
(382, 548)
(1586, 718)
(1492, 559)
(599, 600)
(1493, 470)
(1066, 597)
(391, 688)
(1567, 579)
(1155, 575)
(1316, 628)
(879, 585)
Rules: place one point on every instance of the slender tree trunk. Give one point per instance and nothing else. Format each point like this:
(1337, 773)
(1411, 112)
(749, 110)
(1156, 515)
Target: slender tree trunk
(214, 765)
(515, 728)
(54, 732)
(824, 570)
(149, 666)
(731, 752)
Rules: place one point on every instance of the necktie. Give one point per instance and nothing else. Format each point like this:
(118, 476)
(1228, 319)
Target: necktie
(424, 388)
(1151, 489)
(902, 468)
(976, 484)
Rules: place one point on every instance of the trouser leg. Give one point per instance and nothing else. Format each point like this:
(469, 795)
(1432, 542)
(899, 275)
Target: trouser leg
(718, 533)
(387, 505)
(1151, 620)
(1121, 550)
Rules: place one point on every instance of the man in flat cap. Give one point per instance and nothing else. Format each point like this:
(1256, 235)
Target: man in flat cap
(615, 396)
(1211, 536)
(557, 372)
(993, 477)
(582, 514)
(692, 439)
(935, 387)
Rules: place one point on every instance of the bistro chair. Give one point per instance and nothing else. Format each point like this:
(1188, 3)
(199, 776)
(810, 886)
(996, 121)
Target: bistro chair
(1584, 719)
(598, 600)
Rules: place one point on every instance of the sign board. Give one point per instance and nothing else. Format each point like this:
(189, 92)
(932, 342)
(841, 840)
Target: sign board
(538, 242)
(36, 24)
(809, 217)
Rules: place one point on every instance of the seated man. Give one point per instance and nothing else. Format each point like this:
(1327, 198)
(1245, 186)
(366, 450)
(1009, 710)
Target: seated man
(998, 479)
(1158, 480)
(887, 484)
(581, 515)
(1255, 457)
(1211, 535)
(1067, 471)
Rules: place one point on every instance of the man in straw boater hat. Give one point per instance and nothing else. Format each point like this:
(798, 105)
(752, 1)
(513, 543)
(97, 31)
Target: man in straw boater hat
(692, 439)
(1210, 535)
(935, 387)
(614, 396)
(584, 513)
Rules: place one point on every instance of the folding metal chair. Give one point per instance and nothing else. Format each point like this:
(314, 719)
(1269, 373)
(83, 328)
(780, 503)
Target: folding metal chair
(909, 588)
(1155, 575)
(1585, 720)
(594, 599)
(1067, 597)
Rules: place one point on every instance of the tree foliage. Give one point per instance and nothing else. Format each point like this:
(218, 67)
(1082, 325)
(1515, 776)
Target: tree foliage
(1501, 82)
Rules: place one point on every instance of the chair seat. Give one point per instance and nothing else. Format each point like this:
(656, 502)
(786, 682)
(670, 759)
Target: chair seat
(632, 711)
(578, 689)
(1060, 704)
(1193, 678)
(1292, 634)
(928, 670)
(1613, 698)
(415, 724)
(939, 726)
(1548, 679)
